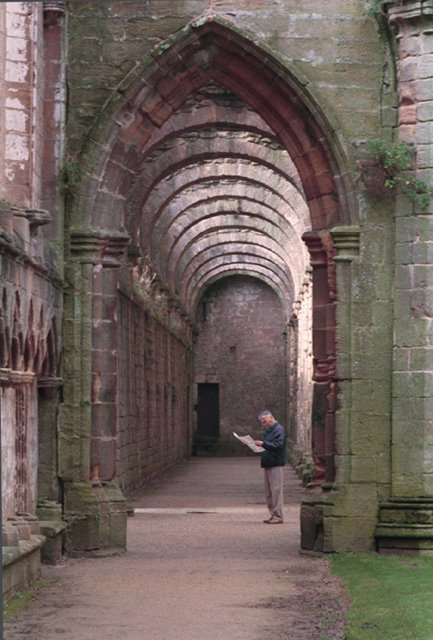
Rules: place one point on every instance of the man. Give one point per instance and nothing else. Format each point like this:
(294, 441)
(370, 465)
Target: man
(273, 459)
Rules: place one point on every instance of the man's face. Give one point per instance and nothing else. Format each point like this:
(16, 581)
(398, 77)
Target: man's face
(267, 421)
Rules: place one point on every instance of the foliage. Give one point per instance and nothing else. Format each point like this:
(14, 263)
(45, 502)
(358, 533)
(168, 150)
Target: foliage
(374, 7)
(391, 161)
(377, 7)
(75, 166)
(390, 596)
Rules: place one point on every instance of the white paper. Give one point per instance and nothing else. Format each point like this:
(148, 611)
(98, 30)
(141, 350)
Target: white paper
(249, 442)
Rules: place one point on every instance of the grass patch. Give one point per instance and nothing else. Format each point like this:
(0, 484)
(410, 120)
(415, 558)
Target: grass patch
(23, 598)
(391, 597)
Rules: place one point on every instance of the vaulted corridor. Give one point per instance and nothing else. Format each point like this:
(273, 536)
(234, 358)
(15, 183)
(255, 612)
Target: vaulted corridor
(208, 189)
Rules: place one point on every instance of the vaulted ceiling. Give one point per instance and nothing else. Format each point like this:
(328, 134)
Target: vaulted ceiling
(216, 194)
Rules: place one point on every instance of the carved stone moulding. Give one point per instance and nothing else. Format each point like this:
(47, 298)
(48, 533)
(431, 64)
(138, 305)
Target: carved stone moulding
(98, 246)
(405, 526)
(37, 218)
(346, 242)
(11, 378)
(50, 383)
(417, 13)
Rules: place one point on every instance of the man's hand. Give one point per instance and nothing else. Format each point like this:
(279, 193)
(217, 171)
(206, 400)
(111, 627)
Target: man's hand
(259, 443)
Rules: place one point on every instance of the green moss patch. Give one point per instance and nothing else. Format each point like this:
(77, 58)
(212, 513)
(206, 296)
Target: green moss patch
(23, 598)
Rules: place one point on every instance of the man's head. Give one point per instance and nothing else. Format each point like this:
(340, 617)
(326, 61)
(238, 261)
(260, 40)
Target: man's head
(266, 418)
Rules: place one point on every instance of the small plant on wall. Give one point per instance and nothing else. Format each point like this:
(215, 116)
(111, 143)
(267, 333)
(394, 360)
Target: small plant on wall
(75, 166)
(71, 172)
(374, 7)
(377, 7)
(384, 173)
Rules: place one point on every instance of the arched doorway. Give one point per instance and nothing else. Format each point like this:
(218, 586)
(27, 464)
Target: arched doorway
(215, 161)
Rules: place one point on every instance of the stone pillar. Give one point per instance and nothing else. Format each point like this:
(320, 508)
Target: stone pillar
(331, 257)
(300, 381)
(323, 419)
(346, 243)
(93, 505)
(105, 361)
(406, 520)
(54, 101)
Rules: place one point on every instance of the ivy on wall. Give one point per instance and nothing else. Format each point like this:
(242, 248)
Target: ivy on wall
(384, 173)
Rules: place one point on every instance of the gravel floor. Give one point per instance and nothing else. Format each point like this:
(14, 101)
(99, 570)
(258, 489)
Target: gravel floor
(200, 565)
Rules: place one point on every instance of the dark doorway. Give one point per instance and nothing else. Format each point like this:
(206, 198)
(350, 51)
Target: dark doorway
(208, 414)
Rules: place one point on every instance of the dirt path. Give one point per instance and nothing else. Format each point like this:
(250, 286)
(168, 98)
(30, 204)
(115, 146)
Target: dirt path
(201, 565)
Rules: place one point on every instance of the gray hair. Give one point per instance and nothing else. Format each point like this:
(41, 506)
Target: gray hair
(265, 414)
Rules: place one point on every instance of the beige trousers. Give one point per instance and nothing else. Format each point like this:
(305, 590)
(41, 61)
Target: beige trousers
(274, 491)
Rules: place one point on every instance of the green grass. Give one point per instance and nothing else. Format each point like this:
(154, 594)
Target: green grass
(22, 599)
(391, 597)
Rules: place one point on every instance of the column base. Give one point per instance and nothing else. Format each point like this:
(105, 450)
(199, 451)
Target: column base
(313, 509)
(405, 527)
(96, 515)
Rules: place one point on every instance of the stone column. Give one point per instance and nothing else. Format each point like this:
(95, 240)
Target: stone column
(54, 107)
(331, 257)
(93, 505)
(324, 294)
(105, 360)
(406, 520)
(346, 243)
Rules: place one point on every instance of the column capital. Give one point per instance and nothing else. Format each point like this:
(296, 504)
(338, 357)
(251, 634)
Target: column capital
(320, 247)
(53, 11)
(400, 11)
(11, 378)
(346, 242)
(98, 246)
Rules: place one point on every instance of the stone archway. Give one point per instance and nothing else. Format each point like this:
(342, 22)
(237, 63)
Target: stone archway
(213, 160)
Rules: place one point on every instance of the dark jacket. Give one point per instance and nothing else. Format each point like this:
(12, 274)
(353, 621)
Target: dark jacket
(274, 443)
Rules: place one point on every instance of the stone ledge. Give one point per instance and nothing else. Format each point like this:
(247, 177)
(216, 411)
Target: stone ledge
(404, 531)
(52, 550)
(21, 565)
(25, 547)
(52, 528)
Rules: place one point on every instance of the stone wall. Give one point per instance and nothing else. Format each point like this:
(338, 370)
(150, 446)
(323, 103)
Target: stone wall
(335, 45)
(154, 397)
(241, 346)
(31, 307)
(22, 96)
(31, 292)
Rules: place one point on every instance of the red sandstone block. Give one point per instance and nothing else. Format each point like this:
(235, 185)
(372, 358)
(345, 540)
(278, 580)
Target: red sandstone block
(104, 419)
(320, 346)
(104, 307)
(104, 388)
(320, 317)
(407, 114)
(103, 360)
(107, 459)
(126, 180)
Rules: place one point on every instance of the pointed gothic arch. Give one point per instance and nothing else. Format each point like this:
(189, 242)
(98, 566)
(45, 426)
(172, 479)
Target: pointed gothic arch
(139, 120)
(211, 49)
